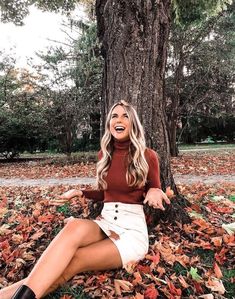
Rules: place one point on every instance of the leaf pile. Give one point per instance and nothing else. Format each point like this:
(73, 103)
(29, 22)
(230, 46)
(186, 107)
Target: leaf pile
(193, 163)
(200, 163)
(189, 261)
(35, 170)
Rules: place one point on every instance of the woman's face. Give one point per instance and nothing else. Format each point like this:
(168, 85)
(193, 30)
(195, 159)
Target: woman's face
(119, 124)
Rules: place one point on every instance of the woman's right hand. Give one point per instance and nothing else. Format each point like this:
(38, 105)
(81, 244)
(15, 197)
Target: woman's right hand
(65, 197)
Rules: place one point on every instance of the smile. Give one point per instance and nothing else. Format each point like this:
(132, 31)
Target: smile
(119, 128)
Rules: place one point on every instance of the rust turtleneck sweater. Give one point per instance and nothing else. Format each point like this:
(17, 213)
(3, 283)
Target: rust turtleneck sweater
(118, 189)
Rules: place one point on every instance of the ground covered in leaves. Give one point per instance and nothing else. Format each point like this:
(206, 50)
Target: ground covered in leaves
(196, 260)
(197, 163)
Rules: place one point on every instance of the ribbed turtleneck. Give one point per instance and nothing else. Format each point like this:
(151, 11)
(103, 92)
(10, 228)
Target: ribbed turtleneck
(121, 146)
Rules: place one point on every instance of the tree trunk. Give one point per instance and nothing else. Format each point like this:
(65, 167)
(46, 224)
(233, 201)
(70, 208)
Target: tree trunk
(134, 37)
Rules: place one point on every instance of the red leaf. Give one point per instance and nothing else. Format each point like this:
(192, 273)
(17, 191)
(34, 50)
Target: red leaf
(46, 218)
(173, 289)
(217, 270)
(151, 293)
(155, 258)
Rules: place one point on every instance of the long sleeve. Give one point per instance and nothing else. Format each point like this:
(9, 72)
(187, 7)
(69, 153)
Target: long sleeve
(153, 179)
(95, 195)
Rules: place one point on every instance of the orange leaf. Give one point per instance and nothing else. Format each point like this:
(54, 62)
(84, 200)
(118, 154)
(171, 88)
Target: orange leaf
(138, 296)
(151, 293)
(138, 278)
(217, 270)
(46, 218)
(183, 282)
(217, 241)
(155, 258)
(173, 289)
(169, 192)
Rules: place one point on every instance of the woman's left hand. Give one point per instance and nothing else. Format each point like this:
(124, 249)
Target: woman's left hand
(155, 198)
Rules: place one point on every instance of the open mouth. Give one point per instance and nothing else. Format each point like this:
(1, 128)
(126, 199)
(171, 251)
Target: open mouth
(119, 128)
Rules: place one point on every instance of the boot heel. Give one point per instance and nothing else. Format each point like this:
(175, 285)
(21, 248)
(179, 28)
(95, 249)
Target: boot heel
(24, 292)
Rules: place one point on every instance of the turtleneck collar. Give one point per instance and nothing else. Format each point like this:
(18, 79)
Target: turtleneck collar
(122, 145)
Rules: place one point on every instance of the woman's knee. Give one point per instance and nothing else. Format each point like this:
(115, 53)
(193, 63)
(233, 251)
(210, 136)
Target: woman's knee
(73, 225)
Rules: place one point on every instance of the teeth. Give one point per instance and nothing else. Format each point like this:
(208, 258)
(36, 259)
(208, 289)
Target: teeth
(119, 128)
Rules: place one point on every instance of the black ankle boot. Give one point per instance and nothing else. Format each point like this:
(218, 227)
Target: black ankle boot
(24, 292)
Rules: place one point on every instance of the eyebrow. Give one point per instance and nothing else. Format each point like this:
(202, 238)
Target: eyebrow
(115, 114)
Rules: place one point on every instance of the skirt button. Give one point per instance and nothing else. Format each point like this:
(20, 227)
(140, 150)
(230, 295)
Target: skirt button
(115, 218)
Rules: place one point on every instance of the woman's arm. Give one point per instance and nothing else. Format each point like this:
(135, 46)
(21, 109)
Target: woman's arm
(154, 195)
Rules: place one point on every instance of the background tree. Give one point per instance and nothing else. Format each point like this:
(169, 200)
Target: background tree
(22, 126)
(72, 83)
(200, 74)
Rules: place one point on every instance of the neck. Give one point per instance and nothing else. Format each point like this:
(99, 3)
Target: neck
(122, 145)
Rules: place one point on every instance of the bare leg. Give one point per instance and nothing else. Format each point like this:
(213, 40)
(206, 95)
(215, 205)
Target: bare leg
(9, 291)
(77, 233)
(105, 256)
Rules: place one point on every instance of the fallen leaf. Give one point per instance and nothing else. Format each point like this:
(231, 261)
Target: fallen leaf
(215, 285)
(122, 285)
(151, 293)
(207, 296)
(217, 270)
(169, 192)
(194, 274)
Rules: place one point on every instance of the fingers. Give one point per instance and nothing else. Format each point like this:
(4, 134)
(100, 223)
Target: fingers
(167, 200)
(58, 202)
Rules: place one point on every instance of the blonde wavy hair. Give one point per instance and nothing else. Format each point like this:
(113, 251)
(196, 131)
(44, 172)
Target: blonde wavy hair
(137, 169)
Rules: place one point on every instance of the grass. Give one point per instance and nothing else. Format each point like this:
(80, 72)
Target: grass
(228, 284)
(206, 146)
(75, 292)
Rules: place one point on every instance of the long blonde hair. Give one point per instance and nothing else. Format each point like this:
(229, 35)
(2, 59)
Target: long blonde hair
(137, 169)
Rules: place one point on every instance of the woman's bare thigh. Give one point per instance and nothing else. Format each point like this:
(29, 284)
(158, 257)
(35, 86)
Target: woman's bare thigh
(85, 231)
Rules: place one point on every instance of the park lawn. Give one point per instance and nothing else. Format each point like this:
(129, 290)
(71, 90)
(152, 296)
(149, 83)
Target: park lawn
(83, 165)
(184, 261)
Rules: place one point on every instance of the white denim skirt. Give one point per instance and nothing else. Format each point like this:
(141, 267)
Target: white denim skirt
(125, 225)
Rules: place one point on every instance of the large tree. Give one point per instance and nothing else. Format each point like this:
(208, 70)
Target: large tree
(134, 38)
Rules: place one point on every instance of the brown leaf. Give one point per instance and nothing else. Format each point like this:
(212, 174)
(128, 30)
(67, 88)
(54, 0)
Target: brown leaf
(215, 285)
(122, 285)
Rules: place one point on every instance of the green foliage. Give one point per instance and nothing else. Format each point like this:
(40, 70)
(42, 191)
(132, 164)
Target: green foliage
(16, 10)
(194, 274)
(73, 89)
(22, 126)
(191, 12)
(201, 68)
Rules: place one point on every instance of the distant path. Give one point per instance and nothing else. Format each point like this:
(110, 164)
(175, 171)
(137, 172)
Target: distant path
(179, 179)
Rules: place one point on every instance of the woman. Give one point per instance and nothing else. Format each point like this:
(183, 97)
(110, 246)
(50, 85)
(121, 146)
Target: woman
(126, 171)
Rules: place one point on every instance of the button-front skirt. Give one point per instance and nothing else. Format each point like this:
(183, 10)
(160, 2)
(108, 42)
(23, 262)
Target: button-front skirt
(125, 225)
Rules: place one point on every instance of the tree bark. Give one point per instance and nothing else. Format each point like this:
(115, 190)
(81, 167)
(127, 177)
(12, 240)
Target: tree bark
(134, 37)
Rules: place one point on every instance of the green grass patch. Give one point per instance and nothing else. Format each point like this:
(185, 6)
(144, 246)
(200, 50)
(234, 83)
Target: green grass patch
(228, 284)
(179, 269)
(76, 292)
(206, 255)
(206, 146)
